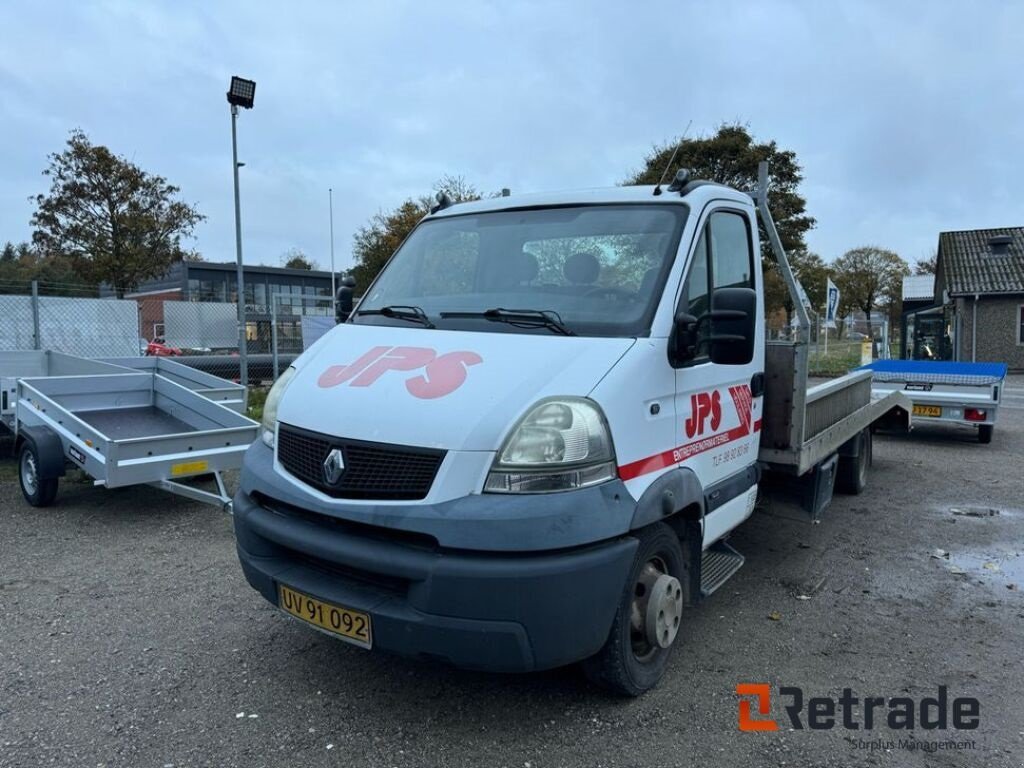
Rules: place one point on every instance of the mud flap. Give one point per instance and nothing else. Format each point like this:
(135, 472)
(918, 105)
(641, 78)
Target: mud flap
(811, 492)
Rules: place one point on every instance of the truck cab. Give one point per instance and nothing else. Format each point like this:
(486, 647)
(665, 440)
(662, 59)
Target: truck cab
(526, 445)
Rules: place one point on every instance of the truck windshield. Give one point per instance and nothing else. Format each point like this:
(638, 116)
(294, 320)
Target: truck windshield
(594, 270)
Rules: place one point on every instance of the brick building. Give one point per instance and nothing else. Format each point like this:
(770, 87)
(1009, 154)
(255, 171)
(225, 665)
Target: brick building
(979, 286)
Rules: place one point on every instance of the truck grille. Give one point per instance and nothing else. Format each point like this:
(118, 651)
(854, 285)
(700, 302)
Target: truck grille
(372, 470)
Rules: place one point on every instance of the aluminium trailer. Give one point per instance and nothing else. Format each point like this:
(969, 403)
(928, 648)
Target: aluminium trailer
(125, 429)
(946, 392)
(31, 363)
(215, 388)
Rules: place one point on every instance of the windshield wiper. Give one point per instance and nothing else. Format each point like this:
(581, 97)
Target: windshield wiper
(408, 312)
(525, 318)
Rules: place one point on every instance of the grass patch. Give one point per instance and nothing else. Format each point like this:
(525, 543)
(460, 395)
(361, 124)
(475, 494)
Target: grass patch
(842, 357)
(256, 400)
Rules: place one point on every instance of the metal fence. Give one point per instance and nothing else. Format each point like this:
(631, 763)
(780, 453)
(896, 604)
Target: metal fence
(203, 334)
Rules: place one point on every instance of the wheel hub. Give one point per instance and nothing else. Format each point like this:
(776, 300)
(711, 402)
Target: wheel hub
(664, 611)
(29, 474)
(656, 610)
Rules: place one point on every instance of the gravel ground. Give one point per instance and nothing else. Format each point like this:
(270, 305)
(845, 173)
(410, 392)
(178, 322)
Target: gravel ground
(128, 637)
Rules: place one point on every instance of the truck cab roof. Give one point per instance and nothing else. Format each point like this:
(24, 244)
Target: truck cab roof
(695, 193)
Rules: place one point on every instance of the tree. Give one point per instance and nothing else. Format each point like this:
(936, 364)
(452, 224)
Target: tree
(375, 243)
(927, 265)
(115, 222)
(869, 277)
(731, 157)
(294, 258)
(20, 263)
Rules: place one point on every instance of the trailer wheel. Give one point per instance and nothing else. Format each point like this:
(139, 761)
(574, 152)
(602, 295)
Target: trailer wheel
(647, 623)
(985, 433)
(852, 474)
(38, 491)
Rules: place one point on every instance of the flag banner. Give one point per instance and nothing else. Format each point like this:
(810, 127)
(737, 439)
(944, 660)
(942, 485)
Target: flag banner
(831, 303)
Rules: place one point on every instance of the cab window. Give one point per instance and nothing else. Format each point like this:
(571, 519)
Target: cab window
(722, 258)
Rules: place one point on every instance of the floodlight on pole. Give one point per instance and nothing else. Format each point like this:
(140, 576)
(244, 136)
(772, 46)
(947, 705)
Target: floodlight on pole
(241, 93)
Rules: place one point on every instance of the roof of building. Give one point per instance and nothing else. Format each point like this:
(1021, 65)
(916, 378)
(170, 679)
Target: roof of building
(968, 264)
(230, 266)
(919, 287)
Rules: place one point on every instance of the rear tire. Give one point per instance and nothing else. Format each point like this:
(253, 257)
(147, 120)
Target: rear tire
(852, 474)
(985, 433)
(629, 663)
(38, 492)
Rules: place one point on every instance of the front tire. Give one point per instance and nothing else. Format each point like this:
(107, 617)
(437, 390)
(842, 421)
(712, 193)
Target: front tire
(648, 619)
(39, 492)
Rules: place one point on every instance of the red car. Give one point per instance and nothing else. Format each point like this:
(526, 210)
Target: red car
(158, 347)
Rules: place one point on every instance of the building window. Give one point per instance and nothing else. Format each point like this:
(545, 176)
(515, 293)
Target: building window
(1020, 324)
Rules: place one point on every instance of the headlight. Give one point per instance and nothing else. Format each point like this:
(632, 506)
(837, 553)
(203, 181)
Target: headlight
(270, 406)
(560, 445)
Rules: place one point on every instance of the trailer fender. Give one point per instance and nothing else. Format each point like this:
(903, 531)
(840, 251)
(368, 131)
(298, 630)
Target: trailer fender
(677, 490)
(48, 450)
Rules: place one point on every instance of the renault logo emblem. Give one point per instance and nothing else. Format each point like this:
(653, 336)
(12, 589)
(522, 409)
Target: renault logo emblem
(334, 465)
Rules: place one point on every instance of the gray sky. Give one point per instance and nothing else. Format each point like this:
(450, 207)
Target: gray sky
(908, 118)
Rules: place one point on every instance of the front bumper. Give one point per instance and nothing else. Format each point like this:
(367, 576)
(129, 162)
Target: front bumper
(496, 611)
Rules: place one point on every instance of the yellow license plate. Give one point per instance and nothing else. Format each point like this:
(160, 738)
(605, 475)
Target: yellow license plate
(349, 625)
(189, 468)
(927, 410)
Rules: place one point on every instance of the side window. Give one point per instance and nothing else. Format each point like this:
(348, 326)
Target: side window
(722, 258)
(731, 261)
(696, 291)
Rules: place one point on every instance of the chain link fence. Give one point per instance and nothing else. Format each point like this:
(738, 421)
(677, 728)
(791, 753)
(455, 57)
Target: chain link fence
(188, 328)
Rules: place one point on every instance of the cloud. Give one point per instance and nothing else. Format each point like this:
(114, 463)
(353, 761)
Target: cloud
(906, 117)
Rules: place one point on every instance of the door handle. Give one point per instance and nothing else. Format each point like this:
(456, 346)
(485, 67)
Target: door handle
(757, 385)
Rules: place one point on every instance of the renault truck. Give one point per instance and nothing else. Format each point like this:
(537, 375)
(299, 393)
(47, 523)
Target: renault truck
(528, 443)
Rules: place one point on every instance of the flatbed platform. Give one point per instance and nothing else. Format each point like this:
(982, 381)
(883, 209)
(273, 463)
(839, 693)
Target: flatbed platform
(140, 421)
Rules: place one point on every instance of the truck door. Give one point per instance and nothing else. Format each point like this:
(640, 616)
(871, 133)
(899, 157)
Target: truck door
(717, 413)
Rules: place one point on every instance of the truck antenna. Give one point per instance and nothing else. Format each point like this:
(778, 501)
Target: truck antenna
(664, 173)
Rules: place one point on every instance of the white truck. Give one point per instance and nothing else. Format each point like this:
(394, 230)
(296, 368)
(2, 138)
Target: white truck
(527, 445)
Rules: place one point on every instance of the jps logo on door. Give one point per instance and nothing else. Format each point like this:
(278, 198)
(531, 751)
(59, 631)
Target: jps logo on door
(704, 407)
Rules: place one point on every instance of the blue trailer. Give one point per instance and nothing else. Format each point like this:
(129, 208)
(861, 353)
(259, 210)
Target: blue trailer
(946, 392)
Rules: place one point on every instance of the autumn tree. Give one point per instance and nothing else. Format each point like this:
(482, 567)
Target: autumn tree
(375, 243)
(116, 223)
(927, 265)
(870, 277)
(731, 157)
(295, 258)
(21, 263)
(810, 269)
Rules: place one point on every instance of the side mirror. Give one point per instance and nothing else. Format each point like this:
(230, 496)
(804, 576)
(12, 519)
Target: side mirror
(733, 326)
(682, 342)
(344, 299)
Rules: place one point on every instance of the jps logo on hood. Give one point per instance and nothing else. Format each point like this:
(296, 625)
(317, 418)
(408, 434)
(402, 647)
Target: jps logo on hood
(442, 374)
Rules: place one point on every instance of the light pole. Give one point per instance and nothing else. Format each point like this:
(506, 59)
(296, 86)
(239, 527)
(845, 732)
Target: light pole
(330, 203)
(240, 94)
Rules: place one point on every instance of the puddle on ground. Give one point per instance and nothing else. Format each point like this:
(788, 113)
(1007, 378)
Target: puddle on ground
(1003, 569)
(977, 511)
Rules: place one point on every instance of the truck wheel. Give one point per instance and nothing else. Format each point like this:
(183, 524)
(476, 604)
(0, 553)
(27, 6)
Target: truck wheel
(647, 622)
(38, 492)
(985, 433)
(852, 474)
